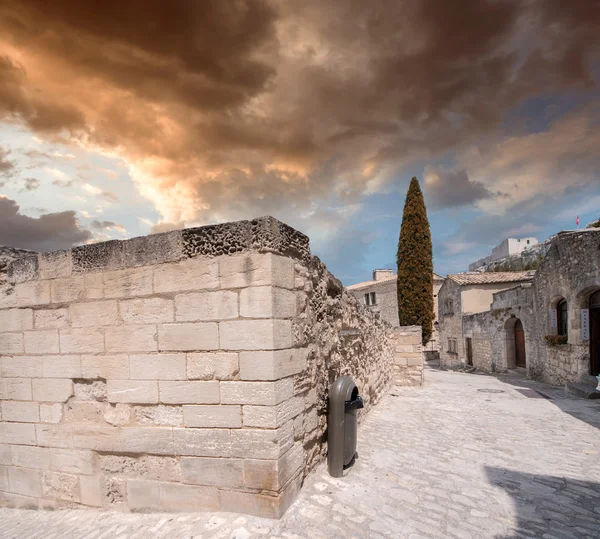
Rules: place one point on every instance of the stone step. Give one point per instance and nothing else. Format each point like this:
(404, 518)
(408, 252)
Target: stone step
(587, 391)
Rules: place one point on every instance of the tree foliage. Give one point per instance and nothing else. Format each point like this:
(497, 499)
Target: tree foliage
(415, 264)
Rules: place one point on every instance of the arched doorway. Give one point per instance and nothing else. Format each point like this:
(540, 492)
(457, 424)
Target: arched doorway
(520, 359)
(595, 334)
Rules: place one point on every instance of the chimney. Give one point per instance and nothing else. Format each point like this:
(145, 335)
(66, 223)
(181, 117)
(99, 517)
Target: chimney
(379, 274)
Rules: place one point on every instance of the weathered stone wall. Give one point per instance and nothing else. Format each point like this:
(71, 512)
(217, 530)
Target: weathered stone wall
(450, 323)
(342, 337)
(408, 356)
(181, 371)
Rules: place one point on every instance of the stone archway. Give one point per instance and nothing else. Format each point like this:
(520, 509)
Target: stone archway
(514, 343)
(594, 333)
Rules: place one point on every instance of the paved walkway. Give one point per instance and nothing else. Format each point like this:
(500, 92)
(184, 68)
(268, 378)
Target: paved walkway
(467, 456)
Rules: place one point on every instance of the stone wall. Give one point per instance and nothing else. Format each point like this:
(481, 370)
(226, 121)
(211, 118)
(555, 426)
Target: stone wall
(450, 319)
(182, 371)
(408, 357)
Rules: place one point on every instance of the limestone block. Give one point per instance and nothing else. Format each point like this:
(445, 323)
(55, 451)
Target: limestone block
(159, 415)
(272, 364)
(213, 416)
(5, 457)
(261, 443)
(92, 490)
(132, 391)
(157, 367)
(96, 438)
(117, 414)
(23, 269)
(8, 499)
(32, 293)
(188, 336)
(11, 343)
(131, 339)
(256, 269)
(3, 480)
(271, 417)
(255, 334)
(152, 249)
(20, 411)
(16, 389)
(259, 505)
(113, 366)
(61, 366)
(227, 473)
(51, 318)
(52, 390)
(66, 290)
(202, 442)
(189, 392)
(128, 283)
(30, 456)
(51, 413)
(25, 481)
(54, 435)
(17, 433)
(142, 494)
(215, 365)
(190, 498)
(8, 297)
(60, 486)
(412, 361)
(267, 302)
(195, 274)
(94, 313)
(84, 412)
(55, 264)
(81, 340)
(273, 474)
(16, 319)
(41, 342)
(147, 311)
(259, 393)
(206, 306)
(93, 286)
(90, 390)
(154, 467)
(157, 440)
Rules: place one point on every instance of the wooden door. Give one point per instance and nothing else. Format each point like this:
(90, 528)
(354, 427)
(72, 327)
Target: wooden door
(469, 351)
(595, 341)
(520, 344)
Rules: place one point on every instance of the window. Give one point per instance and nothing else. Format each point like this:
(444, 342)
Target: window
(373, 299)
(562, 318)
(452, 348)
(527, 242)
(367, 299)
(448, 307)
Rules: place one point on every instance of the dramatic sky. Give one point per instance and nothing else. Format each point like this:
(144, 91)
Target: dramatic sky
(121, 118)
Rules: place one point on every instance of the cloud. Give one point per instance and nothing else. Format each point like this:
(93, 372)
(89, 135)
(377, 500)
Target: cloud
(7, 166)
(31, 184)
(47, 233)
(107, 195)
(447, 188)
(226, 110)
(108, 225)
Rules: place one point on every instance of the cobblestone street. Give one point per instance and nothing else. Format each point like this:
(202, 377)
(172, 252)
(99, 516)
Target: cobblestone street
(465, 456)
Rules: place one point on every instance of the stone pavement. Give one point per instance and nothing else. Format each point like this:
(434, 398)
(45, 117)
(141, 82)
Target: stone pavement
(466, 456)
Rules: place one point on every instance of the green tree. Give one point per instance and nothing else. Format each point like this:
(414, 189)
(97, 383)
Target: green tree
(415, 264)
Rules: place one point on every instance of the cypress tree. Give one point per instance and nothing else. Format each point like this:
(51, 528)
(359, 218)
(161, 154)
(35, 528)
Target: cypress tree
(415, 264)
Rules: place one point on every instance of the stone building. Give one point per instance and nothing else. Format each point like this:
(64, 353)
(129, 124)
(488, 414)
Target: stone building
(563, 300)
(510, 247)
(181, 371)
(463, 294)
(380, 295)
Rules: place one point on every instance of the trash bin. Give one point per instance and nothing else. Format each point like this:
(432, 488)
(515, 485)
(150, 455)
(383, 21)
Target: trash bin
(342, 424)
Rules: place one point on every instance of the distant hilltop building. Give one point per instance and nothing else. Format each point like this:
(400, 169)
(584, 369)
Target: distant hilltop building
(509, 247)
(381, 295)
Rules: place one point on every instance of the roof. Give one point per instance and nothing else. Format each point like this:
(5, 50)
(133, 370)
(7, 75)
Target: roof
(365, 284)
(491, 277)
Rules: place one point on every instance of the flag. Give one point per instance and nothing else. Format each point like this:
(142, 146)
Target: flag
(577, 221)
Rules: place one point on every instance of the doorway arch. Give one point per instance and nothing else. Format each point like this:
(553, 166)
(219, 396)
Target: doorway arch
(594, 306)
(514, 343)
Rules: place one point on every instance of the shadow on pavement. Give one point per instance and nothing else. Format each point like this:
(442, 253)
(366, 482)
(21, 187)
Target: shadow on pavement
(557, 506)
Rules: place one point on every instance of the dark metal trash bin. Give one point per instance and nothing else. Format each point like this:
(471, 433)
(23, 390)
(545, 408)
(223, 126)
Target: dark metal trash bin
(344, 400)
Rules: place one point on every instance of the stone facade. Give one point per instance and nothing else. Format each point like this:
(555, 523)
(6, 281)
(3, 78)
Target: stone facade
(409, 356)
(510, 247)
(384, 287)
(570, 271)
(463, 294)
(181, 371)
